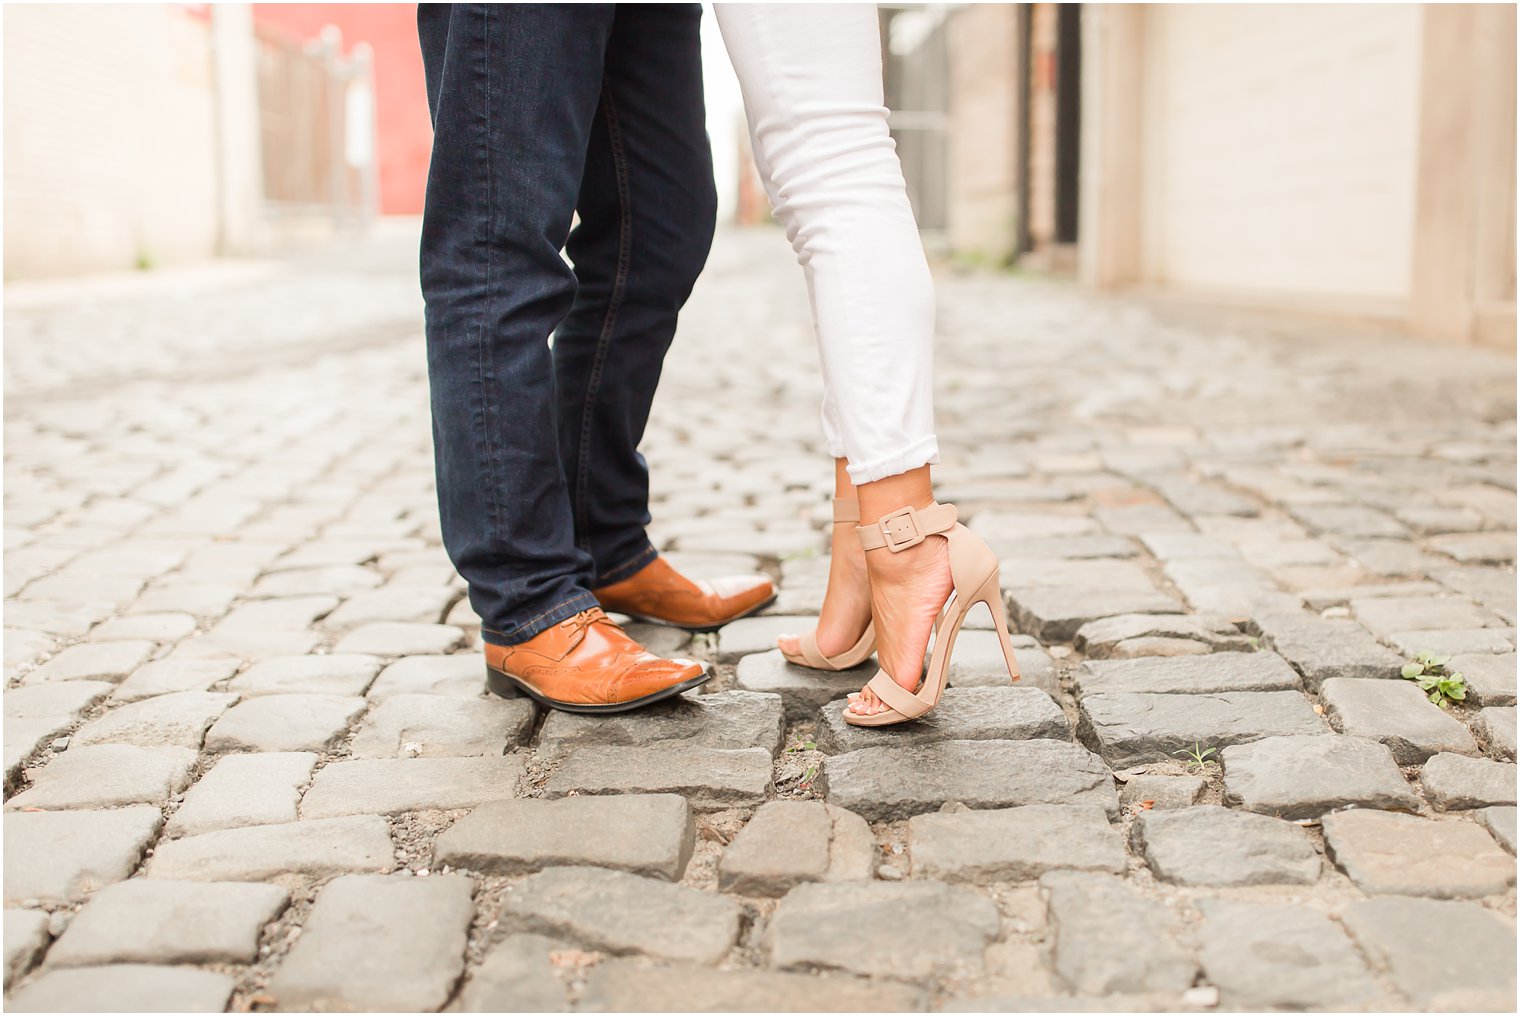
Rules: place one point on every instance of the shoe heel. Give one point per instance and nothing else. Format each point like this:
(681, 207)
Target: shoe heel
(991, 594)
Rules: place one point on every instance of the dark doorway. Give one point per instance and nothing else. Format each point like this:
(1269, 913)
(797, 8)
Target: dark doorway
(1068, 119)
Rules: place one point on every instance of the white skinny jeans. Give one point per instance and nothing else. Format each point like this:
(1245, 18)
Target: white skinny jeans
(812, 82)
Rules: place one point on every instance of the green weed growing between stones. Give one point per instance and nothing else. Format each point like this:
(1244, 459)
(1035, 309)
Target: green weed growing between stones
(1439, 684)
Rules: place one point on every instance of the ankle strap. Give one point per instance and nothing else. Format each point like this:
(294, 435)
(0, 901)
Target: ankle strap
(907, 527)
(846, 509)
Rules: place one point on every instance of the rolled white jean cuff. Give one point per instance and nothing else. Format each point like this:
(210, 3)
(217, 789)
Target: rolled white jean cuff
(923, 452)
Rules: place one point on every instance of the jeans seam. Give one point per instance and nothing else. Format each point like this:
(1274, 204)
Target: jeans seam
(614, 305)
(634, 563)
(482, 342)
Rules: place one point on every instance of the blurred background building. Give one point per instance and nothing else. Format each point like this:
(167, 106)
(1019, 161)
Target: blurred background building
(1347, 159)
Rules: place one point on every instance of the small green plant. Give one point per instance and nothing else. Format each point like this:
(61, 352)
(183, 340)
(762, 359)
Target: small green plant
(803, 746)
(1197, 755)
(1435, 679)
(808, 777)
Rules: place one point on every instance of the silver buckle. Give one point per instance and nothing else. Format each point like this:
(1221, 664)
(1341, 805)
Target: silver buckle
(900, 529)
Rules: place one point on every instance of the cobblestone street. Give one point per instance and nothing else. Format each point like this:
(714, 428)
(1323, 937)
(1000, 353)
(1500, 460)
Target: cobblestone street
(249, 763)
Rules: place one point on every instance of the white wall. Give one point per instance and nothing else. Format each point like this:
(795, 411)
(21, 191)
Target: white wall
(1279, 148)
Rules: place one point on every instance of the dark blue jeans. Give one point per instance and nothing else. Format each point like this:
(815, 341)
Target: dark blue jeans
(542, 111)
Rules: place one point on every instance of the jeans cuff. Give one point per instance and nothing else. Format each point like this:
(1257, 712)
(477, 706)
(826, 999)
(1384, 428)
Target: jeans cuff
(923, 452)
(540, 622)
(628, 568)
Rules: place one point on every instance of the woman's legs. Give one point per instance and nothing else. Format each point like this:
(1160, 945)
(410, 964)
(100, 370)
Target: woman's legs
(812, 82)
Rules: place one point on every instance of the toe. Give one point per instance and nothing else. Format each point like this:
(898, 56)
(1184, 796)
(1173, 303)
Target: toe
(789, 644)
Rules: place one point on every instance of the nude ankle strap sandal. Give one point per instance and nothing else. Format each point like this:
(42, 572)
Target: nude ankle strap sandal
(974, 571)
(846, 511)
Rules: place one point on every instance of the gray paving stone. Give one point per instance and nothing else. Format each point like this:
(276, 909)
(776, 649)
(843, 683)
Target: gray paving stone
(1056, 613)
(1452, 957)
(750, 635)
(94, 661)
(1213, 846)
(1163, 792)
(63, 856)
(330, 967)
(1117, 637)
(401, 638)
(164, 677)
(1321, 649)
(1453, 642)
(166, 627)
(1397, 714)
(26, 934)
(710, 778)
(1387, 853)
(1477, 548)
(1305, 777)
(34, 716)
(1454, 782)
(1012, 844)
(857, 927)
(726, 719)
(1490, 677)
(647, 834)
(285, 723)
(1131, 728)
(335, 674)
(1008, 713)
(787, 843)
(624, 985)
(106, 776)
(1217, 672)
(315, 849)
(124, 987)
(619, 913)
(1501, 823)
(403, 603)
(517, 975)
(459, 676)
(244, 790)
(437, 726)
(1266, 956)
(1419, 613)
(333, 580)
(1109, 938)
(1494, 588)
(978, 663)
(888, 783)
(392, 786)
(179, 719)
(162, 921)
(803, 690)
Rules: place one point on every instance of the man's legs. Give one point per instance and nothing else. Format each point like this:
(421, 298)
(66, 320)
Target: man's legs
(514, 90)
(647, 207)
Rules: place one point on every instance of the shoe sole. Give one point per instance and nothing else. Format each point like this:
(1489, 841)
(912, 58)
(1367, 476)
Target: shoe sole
(507, 686)
(703, 629)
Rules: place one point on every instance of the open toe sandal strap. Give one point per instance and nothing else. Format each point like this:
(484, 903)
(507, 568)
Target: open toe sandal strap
(899, 698)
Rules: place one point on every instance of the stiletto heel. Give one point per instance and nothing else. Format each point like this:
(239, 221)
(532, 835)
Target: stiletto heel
(974, 573)
(846, 510)
(991, 594)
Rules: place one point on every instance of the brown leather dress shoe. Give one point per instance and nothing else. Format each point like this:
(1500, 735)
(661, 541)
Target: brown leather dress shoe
(587, 664)
(659, 593)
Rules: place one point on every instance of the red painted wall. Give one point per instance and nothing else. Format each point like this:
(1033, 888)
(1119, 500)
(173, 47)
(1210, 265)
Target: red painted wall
(405, 133)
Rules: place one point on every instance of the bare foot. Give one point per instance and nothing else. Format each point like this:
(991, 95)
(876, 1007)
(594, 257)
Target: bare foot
(908, 589)
(847, 601)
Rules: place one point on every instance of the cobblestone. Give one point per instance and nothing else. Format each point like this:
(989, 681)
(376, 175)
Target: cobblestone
(1209, 845)
(284, 723)
(1397, 714)
(883, 784)
(621, 914)
(1387, 853)
(221, 506)
(162, 921)
(1456, 781)
(1304, 777)
(331, 967)
(647, 834)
